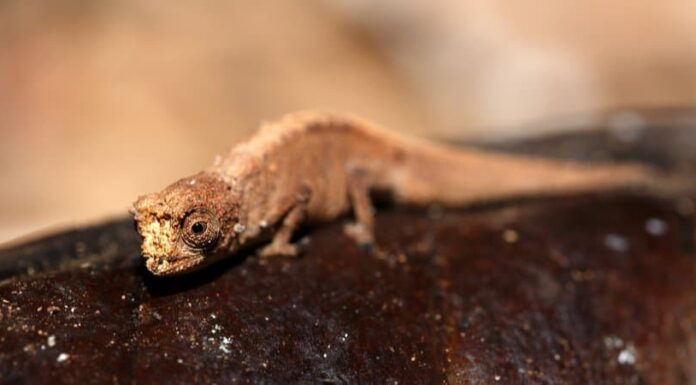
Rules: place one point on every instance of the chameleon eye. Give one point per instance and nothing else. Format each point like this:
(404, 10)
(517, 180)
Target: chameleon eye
(199, 227)
(201, 230)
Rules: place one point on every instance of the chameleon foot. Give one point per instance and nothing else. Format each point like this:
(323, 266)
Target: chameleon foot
(279, 250)
(361, 236)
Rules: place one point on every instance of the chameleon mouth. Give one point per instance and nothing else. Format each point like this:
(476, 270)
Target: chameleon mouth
(171, 265)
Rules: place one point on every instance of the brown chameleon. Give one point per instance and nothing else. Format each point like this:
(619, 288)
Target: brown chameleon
(310, 167)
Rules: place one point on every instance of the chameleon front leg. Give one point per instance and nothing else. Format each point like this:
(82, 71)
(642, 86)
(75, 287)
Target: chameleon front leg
(280, 244)
(362, 230)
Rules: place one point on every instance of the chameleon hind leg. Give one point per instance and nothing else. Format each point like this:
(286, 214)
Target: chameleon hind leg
(362, 230)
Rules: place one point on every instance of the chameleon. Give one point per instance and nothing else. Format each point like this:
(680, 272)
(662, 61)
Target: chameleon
(311, 167)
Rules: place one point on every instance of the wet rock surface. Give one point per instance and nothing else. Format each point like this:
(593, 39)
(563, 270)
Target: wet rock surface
(575, 290)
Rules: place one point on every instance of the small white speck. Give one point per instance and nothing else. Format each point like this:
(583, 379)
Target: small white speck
(497, 377)
(179, 361)
(263, 224)
(616, 242)
(62, 357)
(123, 297)
(192, 182)
(627, 356)
(613, 342)
(238, 228)
(324, 355)
(213, 316)
(51, 341)
(655, 226)
(225, 344)
(413, 358)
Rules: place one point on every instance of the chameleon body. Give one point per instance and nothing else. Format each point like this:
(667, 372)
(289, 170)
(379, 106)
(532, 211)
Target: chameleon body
(316, 167)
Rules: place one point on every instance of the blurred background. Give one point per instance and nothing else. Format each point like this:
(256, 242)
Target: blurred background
(101, 101)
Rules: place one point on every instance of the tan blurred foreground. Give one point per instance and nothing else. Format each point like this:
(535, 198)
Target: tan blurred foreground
(100, 102)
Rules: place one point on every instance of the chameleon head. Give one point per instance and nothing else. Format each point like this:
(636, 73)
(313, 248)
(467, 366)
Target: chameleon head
(187, 225)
